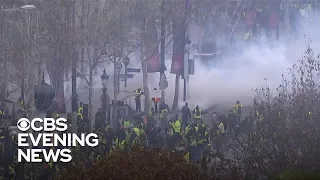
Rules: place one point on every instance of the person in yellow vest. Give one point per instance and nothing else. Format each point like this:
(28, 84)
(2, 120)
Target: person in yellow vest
(192, 144)
(135, 138)
(237, 108)
(187, 156)
(80, 123)
(126, 124)
(176, 130)
(163, 118)
(220, 134)
(197, 114)
(80, 108)
(21, 104)
(121, 144)
(186, 133)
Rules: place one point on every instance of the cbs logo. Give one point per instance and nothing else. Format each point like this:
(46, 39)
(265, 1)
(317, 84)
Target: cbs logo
(46, 124)
(23, 124)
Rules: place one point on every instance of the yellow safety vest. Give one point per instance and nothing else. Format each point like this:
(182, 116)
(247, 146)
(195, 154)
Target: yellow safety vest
(80, 110)
(177, 126)
(187, 156)
(1, 113)
(196, 112)
(236, 107)
(193, 142)
(128, 135)
(187, 129)
(12, 171)
(122, 145)
(50, 165)
(163, 112)
(81, 117)
(137, 131)
(126, 124)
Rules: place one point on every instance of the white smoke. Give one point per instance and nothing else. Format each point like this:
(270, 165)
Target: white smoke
(230, 80)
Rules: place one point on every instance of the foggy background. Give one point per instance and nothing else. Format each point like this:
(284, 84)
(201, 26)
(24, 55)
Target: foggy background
(232, 78)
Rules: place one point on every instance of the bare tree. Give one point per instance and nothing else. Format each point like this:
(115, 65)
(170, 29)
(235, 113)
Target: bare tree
(122, 40)
(92, 38)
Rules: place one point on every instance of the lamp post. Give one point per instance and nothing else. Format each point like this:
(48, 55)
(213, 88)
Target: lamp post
(186, 70)
(126, 62)
(104, 80)
(119, 67)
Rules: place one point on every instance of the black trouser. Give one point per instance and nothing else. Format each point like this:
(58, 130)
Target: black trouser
(138, 104)
(184, 122)
(232, 127)
(238, 118)
(156, 107)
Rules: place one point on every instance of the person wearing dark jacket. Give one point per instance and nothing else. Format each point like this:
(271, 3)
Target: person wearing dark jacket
(186, 114)
(163, 106)
(138, 94)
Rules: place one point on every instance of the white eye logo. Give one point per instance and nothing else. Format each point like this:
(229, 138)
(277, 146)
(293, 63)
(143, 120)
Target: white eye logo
(23, 124)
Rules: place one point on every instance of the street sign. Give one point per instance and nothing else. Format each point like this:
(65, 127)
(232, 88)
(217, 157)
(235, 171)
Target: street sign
(133, 70)
(155, 93)
(125, 76)
(165, 86)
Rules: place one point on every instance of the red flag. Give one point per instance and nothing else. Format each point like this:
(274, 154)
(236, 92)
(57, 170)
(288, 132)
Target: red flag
(155, 100)
(153, 64)
(179, 41)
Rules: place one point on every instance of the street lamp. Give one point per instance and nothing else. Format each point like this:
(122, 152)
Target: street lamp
(126, 62)
(28, 7)
(104, 80)
(24, 7)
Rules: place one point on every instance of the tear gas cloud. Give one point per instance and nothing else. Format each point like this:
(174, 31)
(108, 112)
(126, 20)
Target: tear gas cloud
(232, 78)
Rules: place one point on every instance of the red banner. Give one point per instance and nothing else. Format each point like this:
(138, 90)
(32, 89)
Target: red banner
(177, 64)
(179, 41)
(153, 64)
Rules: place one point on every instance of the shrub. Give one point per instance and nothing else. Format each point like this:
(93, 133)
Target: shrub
(138, 164)
(297, 175)
(289, 135)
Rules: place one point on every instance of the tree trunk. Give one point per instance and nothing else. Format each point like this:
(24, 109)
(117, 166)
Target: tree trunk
(145, 81)
(114, 118)
(90, 102)
(144, 67)
(56, 70)
(90, 59)
(176, 93)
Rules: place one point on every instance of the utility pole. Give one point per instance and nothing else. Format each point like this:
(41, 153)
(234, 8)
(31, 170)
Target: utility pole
(162, 53)
(186, 56)
(74, 72)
